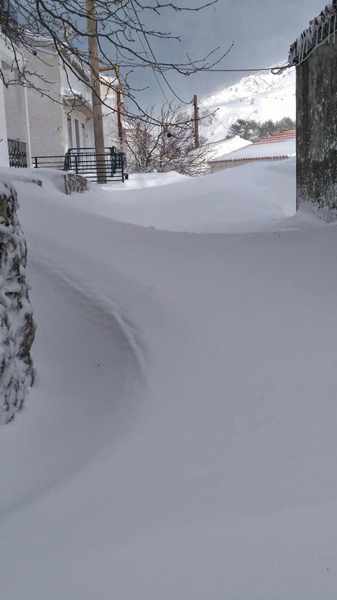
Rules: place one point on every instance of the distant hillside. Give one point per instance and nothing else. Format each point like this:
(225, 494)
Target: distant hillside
(258, 97)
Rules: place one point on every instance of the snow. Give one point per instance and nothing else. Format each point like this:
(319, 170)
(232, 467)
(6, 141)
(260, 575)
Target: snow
(217, 150)
(181, 442)
(214, 203)
(259, 97)
(275, 149)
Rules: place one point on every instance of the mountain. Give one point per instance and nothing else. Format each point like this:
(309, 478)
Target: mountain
(260, 97)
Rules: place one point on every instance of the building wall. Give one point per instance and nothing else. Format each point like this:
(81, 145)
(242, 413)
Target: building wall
(85, 128)
(3, 130)
(72, 86)
(317, 127)
(17, 114)
(46, 118)
(51, 122)
(109, 109)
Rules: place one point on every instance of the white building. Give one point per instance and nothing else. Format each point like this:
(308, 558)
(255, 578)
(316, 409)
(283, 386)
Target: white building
(14, 122)
(60, 106)
(56, 113)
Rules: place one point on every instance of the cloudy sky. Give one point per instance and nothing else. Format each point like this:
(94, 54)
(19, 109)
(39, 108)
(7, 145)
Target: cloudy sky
(261, 29)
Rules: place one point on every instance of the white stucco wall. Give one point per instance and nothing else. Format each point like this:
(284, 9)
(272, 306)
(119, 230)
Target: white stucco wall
(86, 128)
(6, 58)
(72, 84)
(48, 134)
(48, 120)
(3, 130)
(110, 123)
(16, 114)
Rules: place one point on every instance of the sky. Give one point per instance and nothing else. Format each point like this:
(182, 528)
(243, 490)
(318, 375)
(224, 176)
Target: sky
(262, 31)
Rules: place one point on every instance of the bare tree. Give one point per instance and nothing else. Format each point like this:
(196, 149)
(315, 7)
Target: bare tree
(123, 30)
(167, 146)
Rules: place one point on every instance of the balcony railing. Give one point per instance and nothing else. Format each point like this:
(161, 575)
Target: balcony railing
(109, 166)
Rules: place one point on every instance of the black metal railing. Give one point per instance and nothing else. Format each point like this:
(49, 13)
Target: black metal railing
(17, 152)
(109, 166)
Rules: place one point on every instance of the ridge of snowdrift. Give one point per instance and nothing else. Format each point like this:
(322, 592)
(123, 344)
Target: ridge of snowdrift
(225, 484)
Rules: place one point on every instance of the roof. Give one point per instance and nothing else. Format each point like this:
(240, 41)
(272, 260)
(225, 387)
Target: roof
(218, 150)
(280, 145)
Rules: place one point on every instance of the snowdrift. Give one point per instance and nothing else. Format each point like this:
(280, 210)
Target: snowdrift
(181, 442)
(246, 198)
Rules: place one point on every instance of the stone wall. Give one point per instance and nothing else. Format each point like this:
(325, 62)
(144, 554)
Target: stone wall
(317, 128)
(75, 183)
(17, 328)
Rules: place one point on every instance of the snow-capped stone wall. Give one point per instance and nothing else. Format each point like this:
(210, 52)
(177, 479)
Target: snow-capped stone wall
(17, 327)
(317, 127)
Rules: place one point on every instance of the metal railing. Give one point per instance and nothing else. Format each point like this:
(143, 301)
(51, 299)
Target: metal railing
(17, 152)
(110, 166)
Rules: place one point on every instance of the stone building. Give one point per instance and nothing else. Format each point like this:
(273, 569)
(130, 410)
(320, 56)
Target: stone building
(315, 56)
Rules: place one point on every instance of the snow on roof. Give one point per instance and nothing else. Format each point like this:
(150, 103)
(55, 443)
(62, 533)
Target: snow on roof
(218, 150)
(275, 146)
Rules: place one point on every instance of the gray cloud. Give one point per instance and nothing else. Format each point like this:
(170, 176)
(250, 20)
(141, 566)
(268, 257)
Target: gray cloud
(261, 29)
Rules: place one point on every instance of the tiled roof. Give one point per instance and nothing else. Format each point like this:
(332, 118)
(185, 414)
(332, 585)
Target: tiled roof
(278, 137)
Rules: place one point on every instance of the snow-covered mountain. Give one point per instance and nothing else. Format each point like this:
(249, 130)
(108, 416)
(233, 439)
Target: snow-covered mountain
(258, 97)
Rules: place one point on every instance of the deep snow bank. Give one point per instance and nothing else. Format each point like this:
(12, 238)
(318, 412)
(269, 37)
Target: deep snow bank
(245, 198)
(222, 484)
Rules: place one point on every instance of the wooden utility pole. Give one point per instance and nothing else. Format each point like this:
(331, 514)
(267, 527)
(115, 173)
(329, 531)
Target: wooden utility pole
(196, 121)
(96, 90)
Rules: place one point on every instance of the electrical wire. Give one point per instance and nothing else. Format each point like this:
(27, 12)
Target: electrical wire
(155, 74)
(170, 87)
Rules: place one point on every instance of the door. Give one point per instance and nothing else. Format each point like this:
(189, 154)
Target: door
(70, 132)
(77, 134)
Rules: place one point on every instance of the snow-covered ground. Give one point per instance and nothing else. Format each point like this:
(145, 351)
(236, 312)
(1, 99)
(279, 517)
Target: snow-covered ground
(181, 441)
(217, 203)
(259, 97)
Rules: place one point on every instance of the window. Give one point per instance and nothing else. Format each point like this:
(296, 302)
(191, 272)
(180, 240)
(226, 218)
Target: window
(77, 133)
(84, 135)
(70, 132)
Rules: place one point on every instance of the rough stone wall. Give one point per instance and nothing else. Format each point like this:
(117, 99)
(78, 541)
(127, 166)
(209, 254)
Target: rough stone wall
(317, 128)
(75, 183)
(17, 328)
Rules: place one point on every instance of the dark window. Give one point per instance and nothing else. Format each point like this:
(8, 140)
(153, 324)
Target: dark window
(70, 132)
(77, 133)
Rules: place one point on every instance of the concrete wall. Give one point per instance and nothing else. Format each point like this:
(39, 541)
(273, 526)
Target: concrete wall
(6, 58)
(109, 109)
(4, 162)
(317, 128)
(48, 120)
(16, 106)
(85, 125)
(46, 114)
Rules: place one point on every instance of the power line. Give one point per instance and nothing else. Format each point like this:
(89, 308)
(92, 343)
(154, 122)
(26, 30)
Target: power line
(170, 87)
(155, 74)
